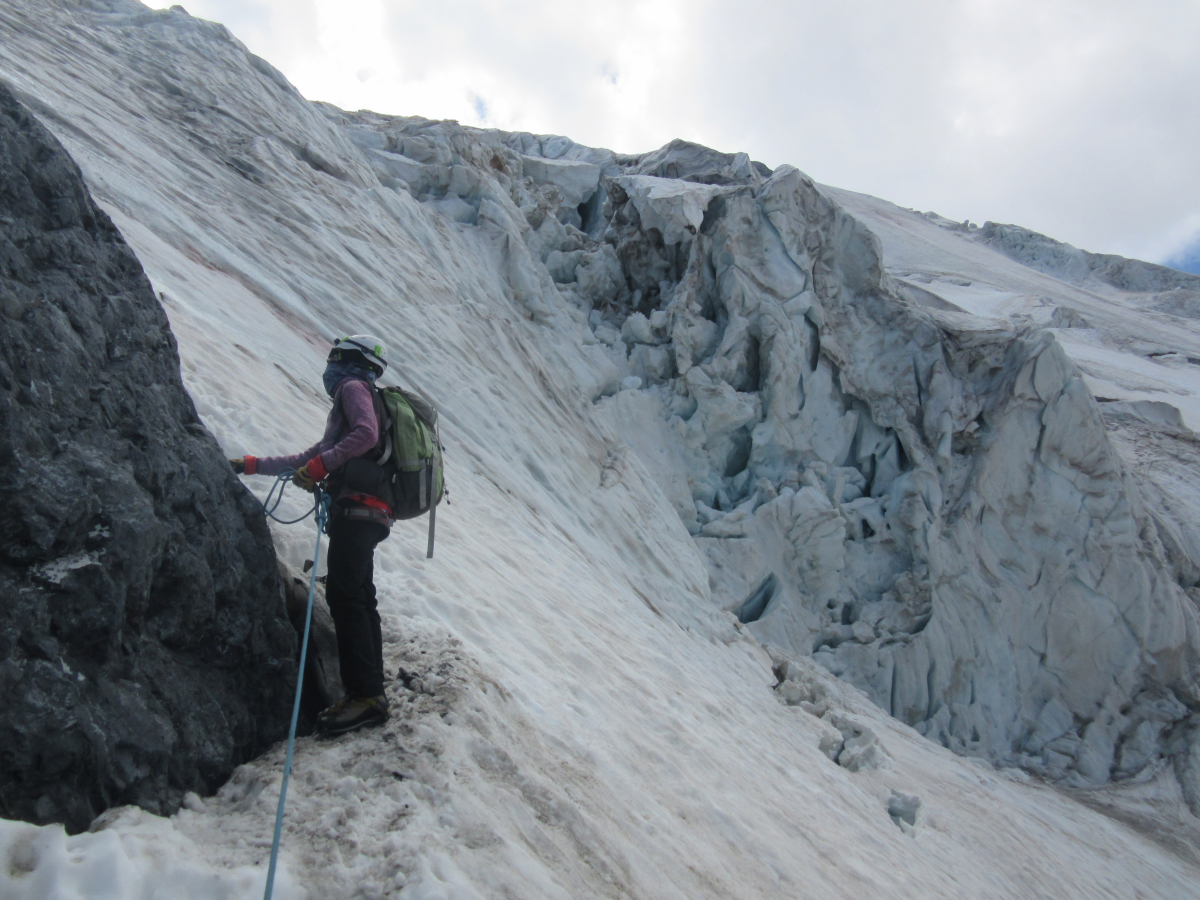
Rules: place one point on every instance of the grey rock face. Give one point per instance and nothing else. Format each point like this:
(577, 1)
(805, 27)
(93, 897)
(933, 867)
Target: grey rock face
(322, 677)
(145, 648)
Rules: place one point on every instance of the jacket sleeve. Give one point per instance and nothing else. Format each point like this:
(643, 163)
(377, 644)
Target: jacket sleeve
(359, 437)
(273, 465)
(362, 426)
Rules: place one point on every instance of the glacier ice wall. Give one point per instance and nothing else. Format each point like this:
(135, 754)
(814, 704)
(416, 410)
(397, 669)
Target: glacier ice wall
(927, 503)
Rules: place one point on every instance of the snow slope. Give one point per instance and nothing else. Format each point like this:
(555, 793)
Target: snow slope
(576, 717)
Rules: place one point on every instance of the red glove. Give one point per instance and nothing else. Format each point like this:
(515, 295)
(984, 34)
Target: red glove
(316, 468)
(245, 465)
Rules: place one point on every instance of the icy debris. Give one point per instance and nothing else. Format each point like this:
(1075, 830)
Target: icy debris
(832, 743)
(631, 383)
(1065, 317)
(903, 809)
(575, 181)
(674, 208)
(844, 739)
(193, 801)
(860, 748)
(949, 224)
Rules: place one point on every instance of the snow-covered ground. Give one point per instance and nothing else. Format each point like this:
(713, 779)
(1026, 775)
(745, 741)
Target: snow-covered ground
(575, 717)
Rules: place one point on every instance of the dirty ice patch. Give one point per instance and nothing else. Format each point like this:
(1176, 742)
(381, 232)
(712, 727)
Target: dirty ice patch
(146, 858)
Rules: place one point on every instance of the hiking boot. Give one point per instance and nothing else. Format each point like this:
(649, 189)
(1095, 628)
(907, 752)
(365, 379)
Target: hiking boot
(352, 713)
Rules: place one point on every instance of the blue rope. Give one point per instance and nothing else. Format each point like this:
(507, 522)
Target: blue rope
(321, 508)
(273, 500)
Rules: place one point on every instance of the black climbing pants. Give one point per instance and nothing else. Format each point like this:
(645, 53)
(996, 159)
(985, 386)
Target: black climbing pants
(350, 592)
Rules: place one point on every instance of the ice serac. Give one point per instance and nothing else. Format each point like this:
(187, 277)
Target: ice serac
(576, 181)
(1074, 265)
(932, 508)
(926, 502)
(144, 645)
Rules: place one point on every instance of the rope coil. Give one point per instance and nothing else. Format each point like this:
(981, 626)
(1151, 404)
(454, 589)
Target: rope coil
(273, 500)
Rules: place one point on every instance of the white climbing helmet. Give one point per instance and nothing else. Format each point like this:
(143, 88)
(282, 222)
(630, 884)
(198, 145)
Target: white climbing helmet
(370, 346)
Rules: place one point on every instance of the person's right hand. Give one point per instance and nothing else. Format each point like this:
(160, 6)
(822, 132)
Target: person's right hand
(239, 465)
(304, 479)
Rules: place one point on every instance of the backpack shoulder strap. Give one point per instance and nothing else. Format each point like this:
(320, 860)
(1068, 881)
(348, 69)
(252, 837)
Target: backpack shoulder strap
(385, 426)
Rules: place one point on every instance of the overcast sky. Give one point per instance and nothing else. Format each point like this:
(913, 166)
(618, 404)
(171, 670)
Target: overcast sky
(1078, 119)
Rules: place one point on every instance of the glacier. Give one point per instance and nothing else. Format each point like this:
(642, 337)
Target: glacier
(765, 496)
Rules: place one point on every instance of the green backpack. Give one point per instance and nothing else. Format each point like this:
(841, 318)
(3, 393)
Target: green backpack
(412, 455)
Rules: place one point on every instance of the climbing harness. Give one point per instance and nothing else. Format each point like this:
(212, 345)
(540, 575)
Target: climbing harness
(321, 510)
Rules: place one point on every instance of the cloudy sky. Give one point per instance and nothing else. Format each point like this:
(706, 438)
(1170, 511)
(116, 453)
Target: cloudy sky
(1078, 119)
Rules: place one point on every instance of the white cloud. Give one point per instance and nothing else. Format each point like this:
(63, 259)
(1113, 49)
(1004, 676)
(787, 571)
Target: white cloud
(1079, 119)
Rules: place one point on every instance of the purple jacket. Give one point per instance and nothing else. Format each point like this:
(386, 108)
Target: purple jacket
(352, 430)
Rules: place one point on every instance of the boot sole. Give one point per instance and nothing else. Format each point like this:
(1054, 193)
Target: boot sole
(334, 730)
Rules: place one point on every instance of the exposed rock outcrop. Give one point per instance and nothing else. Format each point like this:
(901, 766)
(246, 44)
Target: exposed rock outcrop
(322, 676)
(145, 648)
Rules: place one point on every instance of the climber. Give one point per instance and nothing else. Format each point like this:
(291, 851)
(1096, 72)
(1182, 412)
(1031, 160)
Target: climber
(358, 522)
